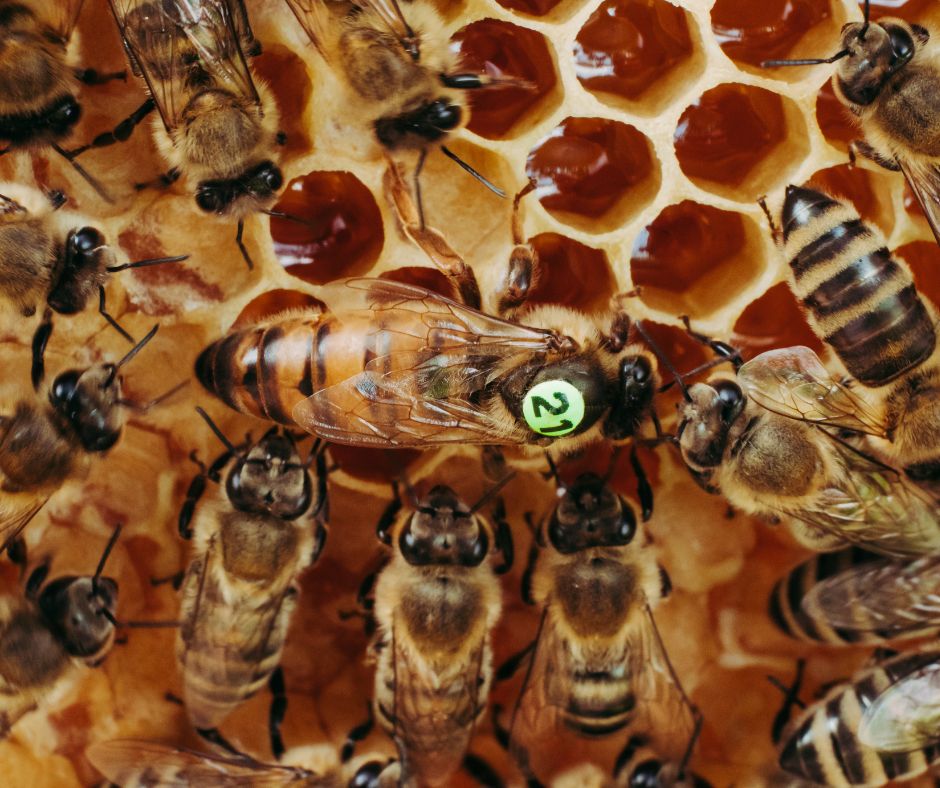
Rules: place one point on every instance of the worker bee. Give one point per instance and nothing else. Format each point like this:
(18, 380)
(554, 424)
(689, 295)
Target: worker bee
(401, 74)
(396, 365)
(250, 544)
(220, 124)
(51, 628)
(597, 665)
(54, 258)
(774, 441)
(887, 77)
(436, 603)
(864, 304)
(42, 446)
(827, 744)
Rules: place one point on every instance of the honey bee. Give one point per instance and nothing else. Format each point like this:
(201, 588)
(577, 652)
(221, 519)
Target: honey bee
(250, 544)
(771, 441)
(402, 76)
(38, 80)
(887, 77)
(42, 446)
(51, 628)
(220, 123)
(863, 303)
(826, 743)
(637, 767)
(54, 258)
(597, 665)
(398, 365)
(436, 603)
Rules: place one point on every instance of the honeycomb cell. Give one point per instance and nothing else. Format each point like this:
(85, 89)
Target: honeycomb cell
(773, 320)
(906, 9)
(503, 49)
(421, 276)
(738, 138)
(334, 229)
(275, 302)
(531, 7)
(286, 75)
(858, 186)
(749, 33)
(693, 258)
(571, 274)
(834, 119)
(593, 172)
(628, 48)
(384, 465)
(924, 259)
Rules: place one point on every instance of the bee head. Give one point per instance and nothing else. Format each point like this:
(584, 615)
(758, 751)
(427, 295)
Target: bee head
(61, 116)
(874, 52)
(88, 401)
(636, 383)
(706, 421)
(429, 122)
(368, 775)
(258, 184)
(80, 611)
(443, 532)
(84, 259)
(271, 479)
(590, 514)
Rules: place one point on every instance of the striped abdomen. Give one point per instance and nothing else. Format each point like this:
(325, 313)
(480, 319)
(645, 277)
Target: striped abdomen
(860, 301)
(786, 600)
(824, 747)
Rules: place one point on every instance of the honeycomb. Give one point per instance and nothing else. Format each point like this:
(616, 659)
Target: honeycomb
(650, 131)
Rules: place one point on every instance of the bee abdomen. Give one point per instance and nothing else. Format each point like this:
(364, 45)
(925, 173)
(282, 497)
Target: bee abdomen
(863, 302)
(263, 371)
(599, 704)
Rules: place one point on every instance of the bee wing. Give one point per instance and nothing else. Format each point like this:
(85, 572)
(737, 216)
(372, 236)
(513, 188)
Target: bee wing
(160, 37)
(906, 716)
(314, 18)
(924, 180)
(875, 507)
(13, 519)
(793, 382)
(62, 16)
(421, 396)
(242, 24)
(135, 762)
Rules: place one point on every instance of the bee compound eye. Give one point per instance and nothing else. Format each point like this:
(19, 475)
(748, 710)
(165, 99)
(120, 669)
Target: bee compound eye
(902, 44)
(443, 115)
(87, 239)
(66, 114)
(731, 396)
(272, 179)
(210, 200)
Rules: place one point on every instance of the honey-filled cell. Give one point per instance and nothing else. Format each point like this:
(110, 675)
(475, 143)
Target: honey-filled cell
(286, 74)
(628, 49)
(421, 276)
(275, 302)
(503, 49)
(924, 259)
(739, 140)
(571, 274)
(859, 186)
(333, 228)
(834, 119)
(594, 173)
(773, 320)
(912, 10)
(379, 465)
(693, 258)
(530, 7)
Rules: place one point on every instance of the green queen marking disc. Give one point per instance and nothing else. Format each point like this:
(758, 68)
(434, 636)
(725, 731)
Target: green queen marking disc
(553, 408)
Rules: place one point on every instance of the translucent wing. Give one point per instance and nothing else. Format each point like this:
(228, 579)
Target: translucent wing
(924, 180)
(62, 16)
(313, 17)
(135, 762)
(15, 515)
(793, 382)
(906, 716)
(426, 394)
(175, 42)
(872, 505)
(242, 25)
(891, 597)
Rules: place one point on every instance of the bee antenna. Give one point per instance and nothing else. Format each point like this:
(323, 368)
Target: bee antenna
(288, 216)
(113, 269)
(454, 157)
(663, 358)
(316, 450)
(218, 433)
(861, 33)
(102, 193)
(136, 349)
(415, 502)
(104, 557)
(811, 61)
(490, 494)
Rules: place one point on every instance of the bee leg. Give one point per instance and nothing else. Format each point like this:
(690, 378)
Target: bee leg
(40, 340)
(862, 148)
(503, 538)
(723, 350)
(277, 711)
(523, 272)
(790, 699)
(512, 664)
(89, 76)
(196, 488)
(120, 133)
(239, 232)
(161, 181)
(215, 738)
(356, 735)
(519, 755)
(481, 771)
(102, 310)
(644, 489)
(364, 604)
(774, 230)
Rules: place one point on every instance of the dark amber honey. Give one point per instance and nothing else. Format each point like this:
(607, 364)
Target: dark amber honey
(373, 464)
(571, 274)
(853, 184)
(626, 46)
(533, 7)
(587, 165)
(773, 320)
(286, 75)
(341, 234)
(726, 133)
(750, 32)
(502, 49)
(924, 260)
(833, 118)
